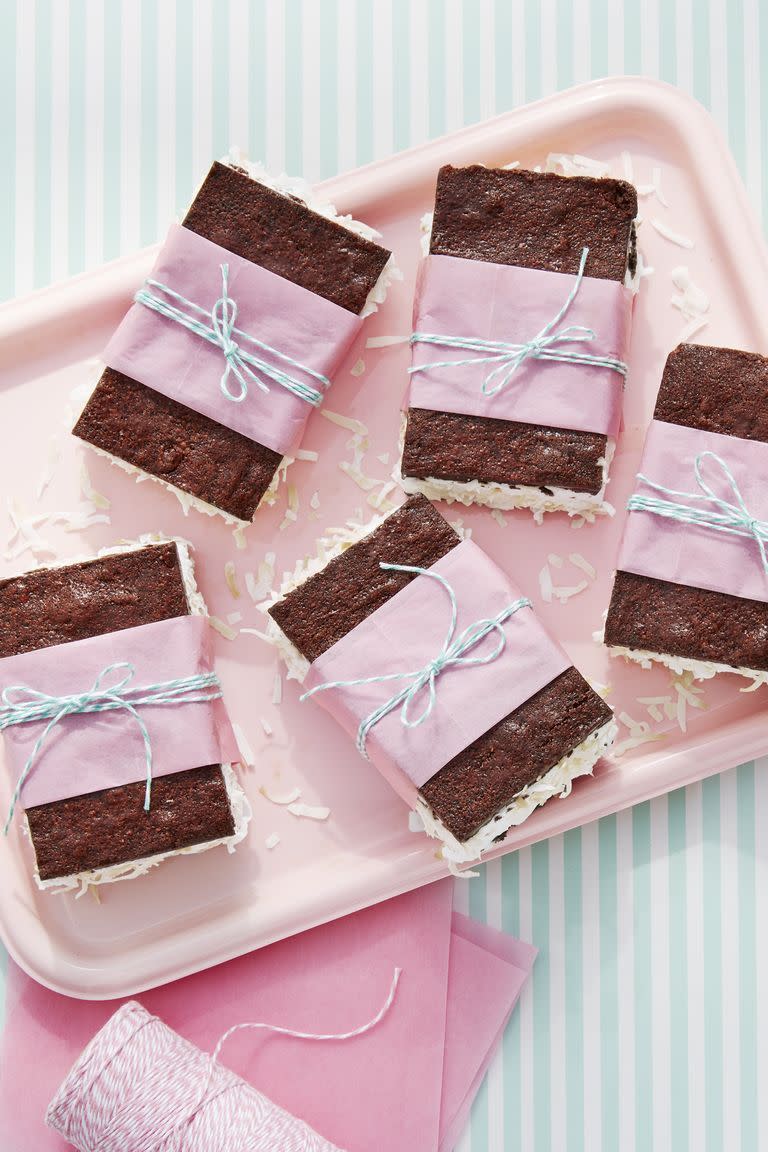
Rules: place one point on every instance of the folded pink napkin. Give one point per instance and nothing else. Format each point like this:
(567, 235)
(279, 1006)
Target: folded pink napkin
(406, 1086)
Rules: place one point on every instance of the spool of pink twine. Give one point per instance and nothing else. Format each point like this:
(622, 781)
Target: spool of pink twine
(140, 1087)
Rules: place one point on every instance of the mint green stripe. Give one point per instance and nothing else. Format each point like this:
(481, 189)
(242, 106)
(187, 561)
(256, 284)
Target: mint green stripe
(257, 80)
(542, 1119)
(599, 45)
(401, 75)
(737, 135)
(471, 62)
(503, 53)
(77, 137)
(112, 129)
(365, 50)
(745, 832)
(609, 983)
(293, 88)
(701, 52)
(677, 913)
(478, 910)
(642, 925)
(713, 966)
(185, 177)
(573, 994)
(512, 1043)
(532, 50)
(43, 139)
(149, 226)
(564, 42)
(329, 99)
(667, 37)
(632, 44)
(8, 143)
(220, 141)
(436, 68)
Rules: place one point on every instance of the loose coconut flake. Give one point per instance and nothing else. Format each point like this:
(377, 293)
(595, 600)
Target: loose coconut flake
(284, 799)
(222, 628)
(272, 841)
(230, 575)
(309, 811)
(670, 234)
(246, 751)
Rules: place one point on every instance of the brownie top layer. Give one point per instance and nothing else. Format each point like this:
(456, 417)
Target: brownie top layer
(534, 219)
(283, 235)
(720, 390)
(56, 605)
(351, 586)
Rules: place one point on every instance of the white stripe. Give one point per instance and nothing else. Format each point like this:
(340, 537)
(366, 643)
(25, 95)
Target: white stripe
(24, 226)
(525, 1006)
(582, 41)
(684, 43)
(346, 40)
(518, 55)
(695, 946)
(548, 55)
(753, 99)
(310, 113)
(487, 17)
(660, 990)
(60, 141)
(616, 34)
(239, 101)
(731, 998)
(202, 89)
(130, 128)
(461, 896)
(493, 916)
(649, 41)
(454, 67)
(166, 115)
(626, 975)
(558, 978)
(718, 62)
(419, 75)
(382, 78)
(590, 896)
(275, 87)
(94, 129)
(761, 941)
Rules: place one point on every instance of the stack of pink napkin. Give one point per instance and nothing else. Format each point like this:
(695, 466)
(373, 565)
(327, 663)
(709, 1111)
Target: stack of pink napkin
(407, 1086)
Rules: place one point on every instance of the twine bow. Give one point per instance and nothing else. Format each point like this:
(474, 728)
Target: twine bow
(219, 328)
(453, 654)
(723, 515)
(20, 704)
(548, 344)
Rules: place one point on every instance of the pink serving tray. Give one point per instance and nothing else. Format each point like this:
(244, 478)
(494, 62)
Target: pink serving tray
(198, 911)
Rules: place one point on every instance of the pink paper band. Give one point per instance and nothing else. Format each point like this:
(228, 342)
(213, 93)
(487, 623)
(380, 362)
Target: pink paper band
(456, 297)
(692, 554)
(86, 753)
(167, 357)
(405, 634)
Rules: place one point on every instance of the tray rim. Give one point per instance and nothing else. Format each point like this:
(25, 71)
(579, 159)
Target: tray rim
(18, 317)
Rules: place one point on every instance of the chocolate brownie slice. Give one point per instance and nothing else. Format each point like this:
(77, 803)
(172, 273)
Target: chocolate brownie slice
(479, 782)
(51, 606)
(721, 390)
(190, 451)
(533, 220)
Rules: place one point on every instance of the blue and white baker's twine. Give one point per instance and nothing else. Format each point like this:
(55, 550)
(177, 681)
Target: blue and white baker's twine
(548, 344)
(20, 704)
(721, 515)
(451, 655)
(218, 328)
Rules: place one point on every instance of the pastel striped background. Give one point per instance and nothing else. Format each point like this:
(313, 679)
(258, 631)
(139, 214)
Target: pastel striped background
(646, 1026)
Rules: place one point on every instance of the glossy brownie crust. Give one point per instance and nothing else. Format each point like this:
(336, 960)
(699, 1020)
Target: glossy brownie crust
(721, 390)
(485, 777)
(533, 220)
(182, 447)
(58, 605)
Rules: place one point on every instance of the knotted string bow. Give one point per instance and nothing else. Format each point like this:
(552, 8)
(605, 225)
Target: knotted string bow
(20, 704)
(548, 344)
(218, 327)
(722, 515)
(451, 655)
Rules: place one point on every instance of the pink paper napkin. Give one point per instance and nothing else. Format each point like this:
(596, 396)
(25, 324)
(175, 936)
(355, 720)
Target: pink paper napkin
(391, 1089)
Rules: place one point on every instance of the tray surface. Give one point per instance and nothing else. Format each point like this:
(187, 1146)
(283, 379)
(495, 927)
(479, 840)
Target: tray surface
(198, 911)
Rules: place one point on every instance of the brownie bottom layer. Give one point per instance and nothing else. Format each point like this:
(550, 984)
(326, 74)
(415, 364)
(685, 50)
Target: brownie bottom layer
(656, 616)
(110, 827)
(176, 445)
(487, 776)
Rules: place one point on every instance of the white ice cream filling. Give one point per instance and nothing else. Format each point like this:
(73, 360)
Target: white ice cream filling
(700, 669)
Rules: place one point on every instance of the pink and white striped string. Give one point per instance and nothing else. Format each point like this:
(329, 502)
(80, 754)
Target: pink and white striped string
(140, 1087)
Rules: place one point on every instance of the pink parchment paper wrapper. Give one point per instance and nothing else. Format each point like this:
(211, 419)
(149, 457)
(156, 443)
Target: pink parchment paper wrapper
(687, 553)
(456, 297)
(406, 633)
(86, 753)
(167, 357)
